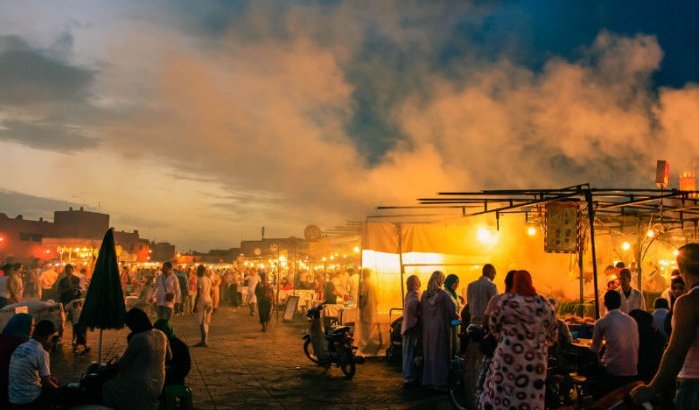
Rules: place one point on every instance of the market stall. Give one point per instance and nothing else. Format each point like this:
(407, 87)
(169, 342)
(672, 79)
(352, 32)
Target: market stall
(564, 237)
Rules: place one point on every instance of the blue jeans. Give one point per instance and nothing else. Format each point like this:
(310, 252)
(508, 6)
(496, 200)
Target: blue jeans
(687, 397)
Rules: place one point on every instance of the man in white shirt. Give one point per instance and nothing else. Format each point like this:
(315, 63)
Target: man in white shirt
(250, 298)
(31, 382)
(166, 292)
(631, 299)
(203, 304)
(47, 279)
(620, 332)
(479, 292)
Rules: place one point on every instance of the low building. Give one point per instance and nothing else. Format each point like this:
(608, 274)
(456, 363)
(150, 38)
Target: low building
(162, 251)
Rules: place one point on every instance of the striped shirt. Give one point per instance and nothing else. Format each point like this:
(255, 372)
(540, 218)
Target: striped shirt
(28, 364)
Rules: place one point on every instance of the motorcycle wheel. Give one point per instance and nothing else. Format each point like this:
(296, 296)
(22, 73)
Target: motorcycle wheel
(457, 392)
(346, 362)
(310, 353)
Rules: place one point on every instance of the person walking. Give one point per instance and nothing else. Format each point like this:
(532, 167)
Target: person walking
(436, 312)
(232, 278)
(265, 297)
(202, 305)
(215, 289)
(69, 286)
(410, 329)
(251, 299)
(166, 292)
(525, 326)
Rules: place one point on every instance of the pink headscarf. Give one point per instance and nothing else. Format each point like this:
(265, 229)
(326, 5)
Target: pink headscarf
(522, 284)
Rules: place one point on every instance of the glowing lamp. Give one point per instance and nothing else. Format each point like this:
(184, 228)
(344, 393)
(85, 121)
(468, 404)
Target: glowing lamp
(626, 246)
(650, 233)
(356, 249)
(676, 252)
(531, 231)
(485, 236)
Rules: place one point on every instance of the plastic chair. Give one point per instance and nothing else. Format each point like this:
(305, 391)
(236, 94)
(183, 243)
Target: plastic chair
(168, 400)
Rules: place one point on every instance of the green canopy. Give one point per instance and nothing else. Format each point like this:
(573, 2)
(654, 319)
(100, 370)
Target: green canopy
(104, 303)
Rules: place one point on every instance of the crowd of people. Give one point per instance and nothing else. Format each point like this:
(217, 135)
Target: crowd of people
(524, 338)
(521, 340)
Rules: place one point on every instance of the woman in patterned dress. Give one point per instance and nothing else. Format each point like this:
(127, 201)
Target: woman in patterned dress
(525, 325)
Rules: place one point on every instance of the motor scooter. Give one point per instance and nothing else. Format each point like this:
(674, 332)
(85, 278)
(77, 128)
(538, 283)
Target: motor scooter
(332, 346)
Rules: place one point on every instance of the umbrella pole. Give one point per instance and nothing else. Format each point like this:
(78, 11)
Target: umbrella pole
(99, 349)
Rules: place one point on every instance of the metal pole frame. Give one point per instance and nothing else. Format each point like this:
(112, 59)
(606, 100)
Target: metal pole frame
(399, 229)
(591, 216)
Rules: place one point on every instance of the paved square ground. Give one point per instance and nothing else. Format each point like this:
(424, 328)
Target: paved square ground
(246, 369)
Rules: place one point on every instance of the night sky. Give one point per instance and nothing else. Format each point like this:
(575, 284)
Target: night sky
(199, 122)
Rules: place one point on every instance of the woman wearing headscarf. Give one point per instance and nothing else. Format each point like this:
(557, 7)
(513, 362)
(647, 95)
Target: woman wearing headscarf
(265, 295)
(451, 283)
(409, 328)
(178, 367)
(17, 331)
(436, 312)
(141, 368)
(525, 325)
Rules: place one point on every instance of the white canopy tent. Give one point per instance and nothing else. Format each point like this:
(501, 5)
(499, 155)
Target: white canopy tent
(392, 251)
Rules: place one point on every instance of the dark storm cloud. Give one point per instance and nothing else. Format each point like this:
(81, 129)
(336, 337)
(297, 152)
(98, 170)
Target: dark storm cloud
(30, 76)
(44, 99)
(13, 203)
(45, 135)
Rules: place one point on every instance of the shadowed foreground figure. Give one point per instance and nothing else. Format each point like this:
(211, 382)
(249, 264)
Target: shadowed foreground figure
(178, 367)
(141, 368)
(17, 331)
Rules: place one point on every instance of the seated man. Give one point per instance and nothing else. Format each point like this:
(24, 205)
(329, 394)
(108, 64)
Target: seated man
(620, 332)
(31, 383)
(661, 310)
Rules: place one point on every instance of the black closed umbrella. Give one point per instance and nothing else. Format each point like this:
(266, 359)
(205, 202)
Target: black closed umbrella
(104, 303)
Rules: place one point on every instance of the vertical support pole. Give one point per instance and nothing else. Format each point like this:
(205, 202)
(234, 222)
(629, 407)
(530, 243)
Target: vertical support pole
(399, 229)
(581, 253)
(591, 216)
(99, 349)
(639, 254)
(279, 282)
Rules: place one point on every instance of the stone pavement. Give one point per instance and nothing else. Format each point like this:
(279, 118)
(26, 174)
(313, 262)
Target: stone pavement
(246, 369)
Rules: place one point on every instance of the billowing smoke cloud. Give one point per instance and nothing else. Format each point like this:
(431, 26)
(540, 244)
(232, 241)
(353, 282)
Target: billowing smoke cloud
(315, 111)
(271, 113)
